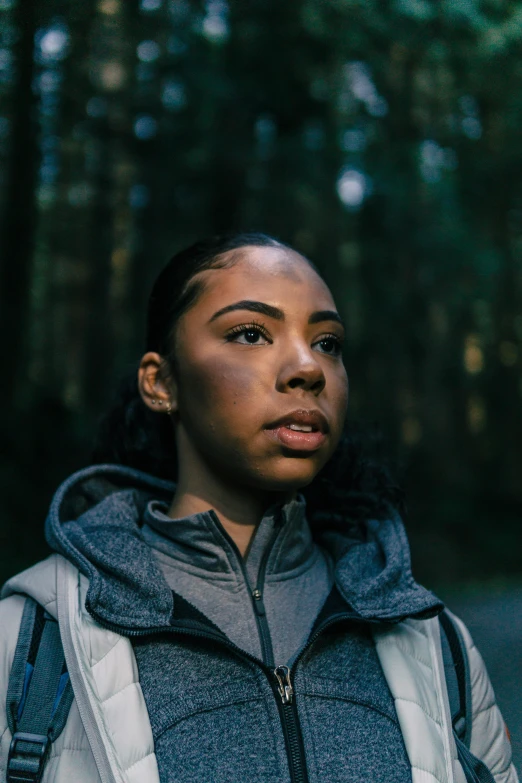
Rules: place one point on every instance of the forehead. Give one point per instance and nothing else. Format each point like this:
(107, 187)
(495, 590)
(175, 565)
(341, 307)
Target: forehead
(273, 275)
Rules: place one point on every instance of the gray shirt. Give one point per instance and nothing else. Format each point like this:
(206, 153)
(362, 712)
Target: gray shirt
(202, 564)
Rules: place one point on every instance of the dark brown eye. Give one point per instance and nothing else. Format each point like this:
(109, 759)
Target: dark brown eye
(252, 335)
(248, 334)
(330, 345)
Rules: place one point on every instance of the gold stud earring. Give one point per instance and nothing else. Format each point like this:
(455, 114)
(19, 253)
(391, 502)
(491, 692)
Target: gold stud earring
(169, 407)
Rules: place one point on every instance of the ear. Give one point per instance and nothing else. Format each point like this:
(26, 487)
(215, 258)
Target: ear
(157, 388)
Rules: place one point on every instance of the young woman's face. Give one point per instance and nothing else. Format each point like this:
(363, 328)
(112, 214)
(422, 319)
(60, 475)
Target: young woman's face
(260, 388)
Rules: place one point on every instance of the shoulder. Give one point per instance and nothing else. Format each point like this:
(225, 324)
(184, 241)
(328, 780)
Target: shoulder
(489, 740)
(70, 756)
(38, 582)
(11, 610)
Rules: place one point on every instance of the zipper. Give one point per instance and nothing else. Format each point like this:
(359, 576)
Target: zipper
(259, 606)
(256, 595)
(291, 728)
(288, 708)
(267, 651)
(280, 679)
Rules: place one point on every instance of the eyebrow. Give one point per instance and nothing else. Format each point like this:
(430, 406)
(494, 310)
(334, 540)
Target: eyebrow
(325, 315)
(274, 312)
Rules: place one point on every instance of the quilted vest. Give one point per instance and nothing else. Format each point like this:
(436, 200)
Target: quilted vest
(108, 736)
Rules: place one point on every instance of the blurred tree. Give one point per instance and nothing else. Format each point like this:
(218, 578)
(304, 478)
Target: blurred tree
(379, 138)
(18, 222)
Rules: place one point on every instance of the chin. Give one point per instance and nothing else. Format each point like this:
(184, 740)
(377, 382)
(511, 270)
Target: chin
(293, 474)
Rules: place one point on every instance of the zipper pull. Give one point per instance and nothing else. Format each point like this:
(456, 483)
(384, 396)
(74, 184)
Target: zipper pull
(285, 689)
(259, 605)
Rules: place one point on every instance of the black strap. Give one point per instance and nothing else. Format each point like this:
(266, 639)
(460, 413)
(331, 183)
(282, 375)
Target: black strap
(458, 683)
(474, 769)
(45, 681)
(458, 680)
(39, 695)
(15, 687)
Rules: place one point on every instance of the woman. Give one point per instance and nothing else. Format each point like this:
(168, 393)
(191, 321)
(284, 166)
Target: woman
(217, 623)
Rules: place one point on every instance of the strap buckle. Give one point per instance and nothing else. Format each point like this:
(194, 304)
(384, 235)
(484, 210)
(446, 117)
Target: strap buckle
(26, 759)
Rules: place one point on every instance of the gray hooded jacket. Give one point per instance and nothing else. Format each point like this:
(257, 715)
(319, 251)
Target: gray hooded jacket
(175, 586)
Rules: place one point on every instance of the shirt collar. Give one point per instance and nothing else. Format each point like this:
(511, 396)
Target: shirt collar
(200, 541)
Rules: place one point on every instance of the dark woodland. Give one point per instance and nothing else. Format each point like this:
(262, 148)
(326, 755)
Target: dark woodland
(380, 139)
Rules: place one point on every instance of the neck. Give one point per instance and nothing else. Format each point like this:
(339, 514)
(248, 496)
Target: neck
(239, 509)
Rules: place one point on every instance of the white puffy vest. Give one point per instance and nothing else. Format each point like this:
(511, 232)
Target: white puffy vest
(108, 737)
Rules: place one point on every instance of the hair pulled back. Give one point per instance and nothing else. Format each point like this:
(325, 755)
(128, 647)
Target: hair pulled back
(353, 485)
(130, 433)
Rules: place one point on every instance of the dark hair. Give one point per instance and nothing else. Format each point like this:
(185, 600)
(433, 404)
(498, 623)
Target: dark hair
(353, 484)
(176, 288)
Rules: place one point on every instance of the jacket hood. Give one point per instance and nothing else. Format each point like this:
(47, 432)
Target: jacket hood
(374, 575)
(95, 521)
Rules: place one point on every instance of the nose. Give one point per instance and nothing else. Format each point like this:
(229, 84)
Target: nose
(301, 370)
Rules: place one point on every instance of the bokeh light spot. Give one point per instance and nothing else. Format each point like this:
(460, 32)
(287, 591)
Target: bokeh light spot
(473, 355)
(472, 128)
(352, 188)
(476, 414)
(53, 43)
(173, 95)
(145, 127)
(148, 51)
(109, 7)
(215, 23)
(112, 76)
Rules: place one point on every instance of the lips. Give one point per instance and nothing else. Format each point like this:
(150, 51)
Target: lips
(305, 418)
(300, 430)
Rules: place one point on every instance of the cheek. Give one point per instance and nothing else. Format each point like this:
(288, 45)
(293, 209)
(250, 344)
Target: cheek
(219, 392)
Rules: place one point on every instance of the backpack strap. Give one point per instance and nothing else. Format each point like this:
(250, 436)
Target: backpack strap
(458, 680)
(39, 694)
(458, 684)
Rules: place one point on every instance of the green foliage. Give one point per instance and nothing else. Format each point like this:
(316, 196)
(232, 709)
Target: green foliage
(381, 139)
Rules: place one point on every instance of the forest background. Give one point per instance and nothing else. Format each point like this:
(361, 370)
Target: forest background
(382, 139)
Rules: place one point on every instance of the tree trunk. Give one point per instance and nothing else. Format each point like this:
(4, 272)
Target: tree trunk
(19, 220)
